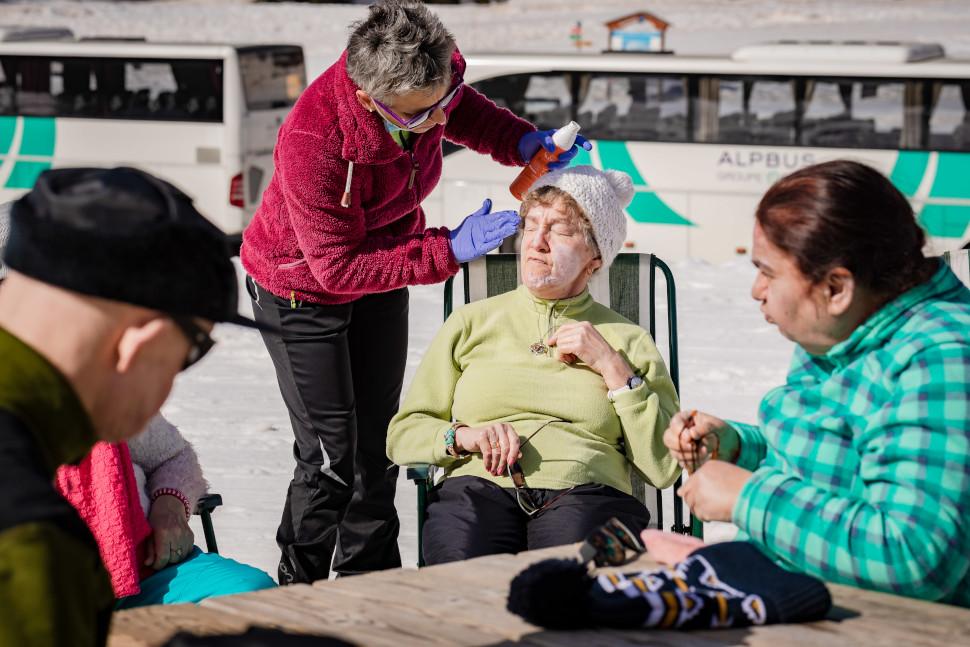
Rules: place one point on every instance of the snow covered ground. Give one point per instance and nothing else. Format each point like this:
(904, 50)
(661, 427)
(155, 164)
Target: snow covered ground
(229, 405)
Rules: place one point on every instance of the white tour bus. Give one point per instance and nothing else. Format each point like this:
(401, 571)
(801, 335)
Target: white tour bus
(204, 117)
(704, 137)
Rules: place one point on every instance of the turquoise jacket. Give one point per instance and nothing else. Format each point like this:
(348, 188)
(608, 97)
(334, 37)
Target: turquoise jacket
(862, 459)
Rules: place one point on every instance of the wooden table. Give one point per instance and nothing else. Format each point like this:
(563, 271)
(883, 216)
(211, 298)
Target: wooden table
(464, 604)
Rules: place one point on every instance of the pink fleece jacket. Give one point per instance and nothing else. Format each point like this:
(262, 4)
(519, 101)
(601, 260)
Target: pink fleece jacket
(302, 239)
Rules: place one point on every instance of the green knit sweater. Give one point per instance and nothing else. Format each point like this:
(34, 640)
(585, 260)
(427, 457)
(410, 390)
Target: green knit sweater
(479, 370)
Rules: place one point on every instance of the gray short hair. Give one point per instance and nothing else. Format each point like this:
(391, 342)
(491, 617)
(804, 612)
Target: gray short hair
(399, 48)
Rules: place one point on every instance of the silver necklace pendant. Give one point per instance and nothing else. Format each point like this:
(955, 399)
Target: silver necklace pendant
(539, 348)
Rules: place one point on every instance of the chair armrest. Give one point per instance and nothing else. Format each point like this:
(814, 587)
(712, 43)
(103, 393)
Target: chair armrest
(208, 503)
(420, 472)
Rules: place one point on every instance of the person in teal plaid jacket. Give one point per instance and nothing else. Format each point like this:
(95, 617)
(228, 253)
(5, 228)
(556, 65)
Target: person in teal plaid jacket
(858, 471)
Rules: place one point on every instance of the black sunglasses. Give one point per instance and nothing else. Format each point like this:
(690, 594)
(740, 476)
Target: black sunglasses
(200, 342)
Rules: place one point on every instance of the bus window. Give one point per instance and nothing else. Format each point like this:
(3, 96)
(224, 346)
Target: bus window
(853, 114)
(544, 99)
(273, 77)
(172, 90)
(112, 88)
(79, 85)
(746, 111)
(950, 116)
(548, 100)
(634, 107)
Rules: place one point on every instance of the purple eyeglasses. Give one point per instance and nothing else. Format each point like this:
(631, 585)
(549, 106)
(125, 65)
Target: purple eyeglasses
(422, 117)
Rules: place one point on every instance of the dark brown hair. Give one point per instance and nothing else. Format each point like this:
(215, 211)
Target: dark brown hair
(846, 214)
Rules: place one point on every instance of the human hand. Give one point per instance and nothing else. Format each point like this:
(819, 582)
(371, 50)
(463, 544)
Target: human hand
(581, 341)
(497, 443)
(686, 429)
(712, 491)
(171, 539)
(531, 142)
(481, 232)
(669, 547)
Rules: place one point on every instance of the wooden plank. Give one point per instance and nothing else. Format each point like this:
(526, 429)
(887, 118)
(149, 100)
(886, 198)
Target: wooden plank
(330, 610)
(150, 626)
(478, 606)
(463, 603)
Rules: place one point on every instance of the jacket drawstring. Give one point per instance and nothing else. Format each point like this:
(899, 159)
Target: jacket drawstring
(345, 199)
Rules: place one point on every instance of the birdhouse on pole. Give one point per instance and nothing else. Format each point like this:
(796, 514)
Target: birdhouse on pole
(637, 32)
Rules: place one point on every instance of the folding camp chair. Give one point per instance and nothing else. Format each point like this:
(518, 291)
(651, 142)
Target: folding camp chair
(630, 290)
(204, 508)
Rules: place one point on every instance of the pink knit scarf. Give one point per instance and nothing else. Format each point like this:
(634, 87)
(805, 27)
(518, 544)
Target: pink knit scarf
(103, 490)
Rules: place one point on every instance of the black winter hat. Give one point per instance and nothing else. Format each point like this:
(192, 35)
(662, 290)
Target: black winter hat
(124, 235)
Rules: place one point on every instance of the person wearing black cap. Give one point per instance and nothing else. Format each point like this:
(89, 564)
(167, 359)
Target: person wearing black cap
(113, 283)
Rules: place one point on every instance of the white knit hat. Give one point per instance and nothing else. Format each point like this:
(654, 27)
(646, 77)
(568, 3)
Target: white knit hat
(603, 195)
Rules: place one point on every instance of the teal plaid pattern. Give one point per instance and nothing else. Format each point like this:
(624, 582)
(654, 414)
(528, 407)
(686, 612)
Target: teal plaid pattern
(862, 459)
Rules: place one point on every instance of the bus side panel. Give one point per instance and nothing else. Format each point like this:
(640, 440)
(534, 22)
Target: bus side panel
(698, 200)
(189, 155)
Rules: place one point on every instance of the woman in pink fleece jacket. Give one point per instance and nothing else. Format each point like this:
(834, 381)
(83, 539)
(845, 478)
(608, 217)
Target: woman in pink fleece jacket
(339, 236)
(136, 498)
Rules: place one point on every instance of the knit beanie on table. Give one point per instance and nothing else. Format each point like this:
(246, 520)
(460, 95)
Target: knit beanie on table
(603, 195)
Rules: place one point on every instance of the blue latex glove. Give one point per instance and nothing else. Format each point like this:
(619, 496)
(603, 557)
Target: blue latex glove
(531, 142)
(481, 232)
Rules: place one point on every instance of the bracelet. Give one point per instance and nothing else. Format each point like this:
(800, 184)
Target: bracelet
(450, 448)
(178, 495)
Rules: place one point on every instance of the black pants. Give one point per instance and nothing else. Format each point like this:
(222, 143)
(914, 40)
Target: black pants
(340, 370)
(470, 517)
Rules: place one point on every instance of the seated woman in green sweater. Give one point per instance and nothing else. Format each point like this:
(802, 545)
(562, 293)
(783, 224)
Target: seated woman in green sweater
(858, 471)
(543, 383)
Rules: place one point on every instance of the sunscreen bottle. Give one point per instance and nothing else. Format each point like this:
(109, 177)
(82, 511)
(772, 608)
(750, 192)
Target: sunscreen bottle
(564, 138)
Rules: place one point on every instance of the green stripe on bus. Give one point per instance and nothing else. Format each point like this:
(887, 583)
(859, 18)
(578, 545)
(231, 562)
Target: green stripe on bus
(614, 155)
(952, 174)
(38, 136)
(908, 171)
(647, 207)
(7, 127)
(25, 173)
(945, 221)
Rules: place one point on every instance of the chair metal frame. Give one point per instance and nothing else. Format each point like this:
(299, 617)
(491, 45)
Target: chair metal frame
(204, 508)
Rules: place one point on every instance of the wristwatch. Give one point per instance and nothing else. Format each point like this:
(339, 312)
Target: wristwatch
(632, 382)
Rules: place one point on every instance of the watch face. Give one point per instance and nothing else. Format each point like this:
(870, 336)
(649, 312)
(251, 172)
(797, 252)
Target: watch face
(634, 381)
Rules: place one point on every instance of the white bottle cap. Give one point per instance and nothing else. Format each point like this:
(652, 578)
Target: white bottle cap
(565, 137)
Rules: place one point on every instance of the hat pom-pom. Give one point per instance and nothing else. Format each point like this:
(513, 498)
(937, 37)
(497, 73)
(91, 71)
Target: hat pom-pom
(552, 593)
(622, 186)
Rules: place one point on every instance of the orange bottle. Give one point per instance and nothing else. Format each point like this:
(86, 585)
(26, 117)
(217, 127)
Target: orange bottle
(564, 138)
